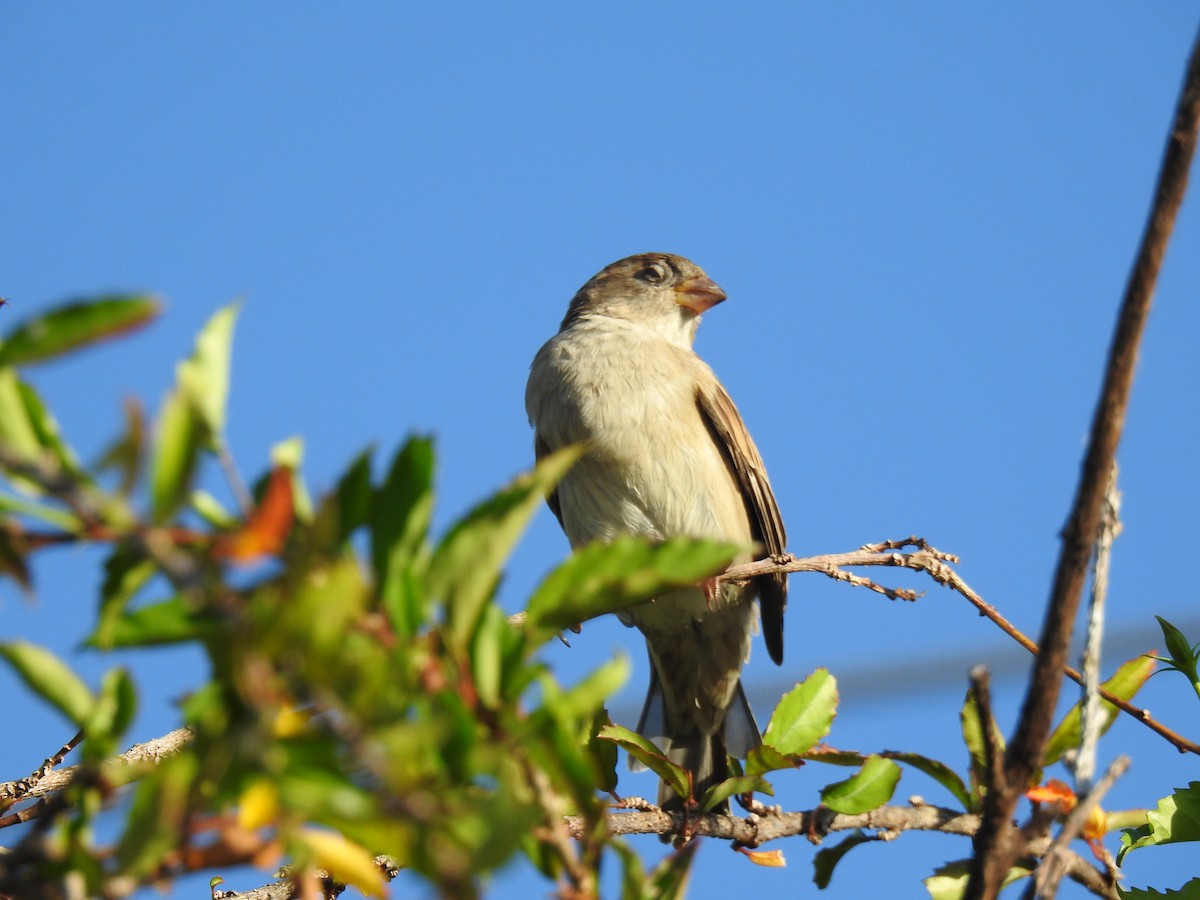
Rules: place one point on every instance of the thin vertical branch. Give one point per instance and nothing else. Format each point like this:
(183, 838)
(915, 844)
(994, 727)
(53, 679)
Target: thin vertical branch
(995, 848)
(1110, 527)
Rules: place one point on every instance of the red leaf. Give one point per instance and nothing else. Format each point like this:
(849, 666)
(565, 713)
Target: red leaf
(268, 526)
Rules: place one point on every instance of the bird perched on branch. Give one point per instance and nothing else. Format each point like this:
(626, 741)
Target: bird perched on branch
(667, 455)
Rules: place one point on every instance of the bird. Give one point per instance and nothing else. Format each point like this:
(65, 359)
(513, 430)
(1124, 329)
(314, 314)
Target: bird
(667, 454)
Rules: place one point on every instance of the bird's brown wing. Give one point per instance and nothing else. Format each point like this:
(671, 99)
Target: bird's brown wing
(540, 451)
(746, 466)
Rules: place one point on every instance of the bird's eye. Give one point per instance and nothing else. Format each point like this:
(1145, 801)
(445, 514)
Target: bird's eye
(654, 273)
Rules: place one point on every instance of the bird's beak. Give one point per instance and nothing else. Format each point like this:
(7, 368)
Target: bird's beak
(698, 294)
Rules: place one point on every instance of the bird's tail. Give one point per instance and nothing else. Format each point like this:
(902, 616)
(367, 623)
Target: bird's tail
(685, 744)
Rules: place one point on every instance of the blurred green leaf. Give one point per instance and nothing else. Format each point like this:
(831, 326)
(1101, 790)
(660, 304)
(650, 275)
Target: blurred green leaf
(1175, 819)
(669, 879)
(604, 752)
(1125, 683)
(949, 882)
(111, 716)
(466, 565)
(649, 755)
(827, 858)
(399, 521)
(972, 731)
(175, 454)
(46, 429)
(871, 787)
(51, 679)
(12, 557)
(64, 521)
(18, 435)
(75, 325)
(486, 656)
(203, 378)
(608, 577)
(213, 512)
(154, 625)
(804, 714)
(127, 452)
(154, 826)
(126, 572)
(582, 700)
(353, 496)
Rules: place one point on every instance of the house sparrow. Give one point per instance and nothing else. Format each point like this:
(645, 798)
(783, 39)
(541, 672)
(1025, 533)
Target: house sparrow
(667, 455)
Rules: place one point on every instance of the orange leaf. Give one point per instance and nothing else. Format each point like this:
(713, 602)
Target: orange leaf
(770, 858)
(268, 526)
(1054, 792)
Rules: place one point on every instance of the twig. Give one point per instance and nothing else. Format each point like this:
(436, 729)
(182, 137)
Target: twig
(1090, 719)
(148, 752)
(16, 791)
(935, 563)
(753, 831)
(995, 850)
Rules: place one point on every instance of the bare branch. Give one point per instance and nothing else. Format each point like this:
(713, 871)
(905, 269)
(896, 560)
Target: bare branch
(936, 564)
(995, 848)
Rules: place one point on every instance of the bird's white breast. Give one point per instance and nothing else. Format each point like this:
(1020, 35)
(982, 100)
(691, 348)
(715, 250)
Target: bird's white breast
(652, 467)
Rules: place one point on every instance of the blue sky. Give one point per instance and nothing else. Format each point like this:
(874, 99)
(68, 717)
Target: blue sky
(923, 215)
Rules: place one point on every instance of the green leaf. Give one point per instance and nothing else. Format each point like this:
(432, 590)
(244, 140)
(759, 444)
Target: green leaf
(154, 625)
(949, 882)
(765, 758)
(1183, 654)
(938, 771)
(871, 787)
(1124, 683)
(804, 714)
(1190, 891)
(46, 429)
(18, 435)
(204, 377)
(669, 879)
(154, 825)
(827, 859)
(75, 325)
(972, 730)
(1176, 819)
(1184, 657)
(604, 753)
(608, 577)
(649, 755)
(486, 656)
(51, 679)
(213, 512)
(739, 784)
(64, 521)
(353, 496)
(582, 700)
(399, 521)
(466, 565)
(126, 572)
(111, 716)
(175, 453)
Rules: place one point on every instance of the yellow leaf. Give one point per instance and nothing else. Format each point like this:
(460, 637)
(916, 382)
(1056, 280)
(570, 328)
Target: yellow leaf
(289, 722)
(346, 861)
(259, 805)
